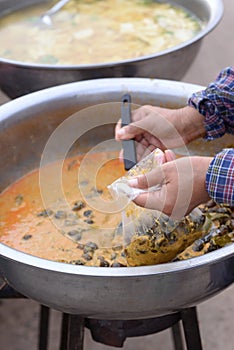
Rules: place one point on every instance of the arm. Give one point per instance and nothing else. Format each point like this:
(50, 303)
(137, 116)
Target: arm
(220, 177)
(183, 186)
(164, 128)
(209, 114)
(216, 104)
(187, 182)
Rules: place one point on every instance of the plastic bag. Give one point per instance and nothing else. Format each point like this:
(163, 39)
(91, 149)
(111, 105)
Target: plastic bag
(120, 187)
(137, 220)
(149, 235)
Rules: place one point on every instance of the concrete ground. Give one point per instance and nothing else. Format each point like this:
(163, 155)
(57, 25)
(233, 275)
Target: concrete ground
(19, 318)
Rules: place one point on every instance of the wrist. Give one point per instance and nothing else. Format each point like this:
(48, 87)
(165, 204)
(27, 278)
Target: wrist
(201, 166)
(192, 124)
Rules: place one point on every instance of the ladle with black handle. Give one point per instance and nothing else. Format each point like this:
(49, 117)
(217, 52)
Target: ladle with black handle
(130, 159)
(129, 150)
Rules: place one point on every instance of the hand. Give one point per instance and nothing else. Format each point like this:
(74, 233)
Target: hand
(164, 128)
(182, 186)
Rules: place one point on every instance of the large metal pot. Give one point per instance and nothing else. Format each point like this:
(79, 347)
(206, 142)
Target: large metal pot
(19, 78)
(104, 293)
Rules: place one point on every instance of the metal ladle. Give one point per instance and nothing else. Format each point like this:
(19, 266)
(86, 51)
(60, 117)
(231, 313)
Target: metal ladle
(46, 17)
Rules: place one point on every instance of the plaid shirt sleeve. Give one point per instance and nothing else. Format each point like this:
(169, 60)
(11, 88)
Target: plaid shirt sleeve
(220, 177)
(216, 104)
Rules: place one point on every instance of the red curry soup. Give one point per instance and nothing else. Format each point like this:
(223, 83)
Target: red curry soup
(66, 223)
(62, 233)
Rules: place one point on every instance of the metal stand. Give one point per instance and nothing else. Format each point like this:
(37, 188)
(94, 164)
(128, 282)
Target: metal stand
(177, 337)
(72, 332)
(191, 329)
(115, 332)
(6, 292)
(75, 333)
(43, 327)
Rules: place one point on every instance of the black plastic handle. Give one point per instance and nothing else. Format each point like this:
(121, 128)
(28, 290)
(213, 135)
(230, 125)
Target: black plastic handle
(129, 149)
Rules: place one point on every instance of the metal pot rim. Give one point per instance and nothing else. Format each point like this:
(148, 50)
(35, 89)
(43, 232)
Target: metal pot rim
(30, 100)
(169, 87)
(216, 15)
(207, 259)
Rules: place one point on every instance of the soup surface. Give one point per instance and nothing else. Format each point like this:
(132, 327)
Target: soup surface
(63, 219)
(27, 225)
(95, 31)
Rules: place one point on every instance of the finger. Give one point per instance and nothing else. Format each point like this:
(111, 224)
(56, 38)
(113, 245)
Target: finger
(154, 141)
(141, 150)
(169, 155)
(152, 178)
(149, 141)
(150, 200)
(117, 128)
(128, 132)
(144, 142)
(132, 130)
(121, 158)
(137, 114)
(147, 151)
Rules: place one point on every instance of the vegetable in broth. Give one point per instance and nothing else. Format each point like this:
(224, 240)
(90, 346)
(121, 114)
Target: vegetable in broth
(92, 32)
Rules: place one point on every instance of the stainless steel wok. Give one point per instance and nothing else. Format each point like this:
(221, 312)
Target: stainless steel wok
(103, 293)
(19, 78)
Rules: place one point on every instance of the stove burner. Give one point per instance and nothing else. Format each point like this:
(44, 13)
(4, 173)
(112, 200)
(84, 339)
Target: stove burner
(114, 333)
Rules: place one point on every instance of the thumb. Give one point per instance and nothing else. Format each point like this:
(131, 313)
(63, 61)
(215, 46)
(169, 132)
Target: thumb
(136, 128)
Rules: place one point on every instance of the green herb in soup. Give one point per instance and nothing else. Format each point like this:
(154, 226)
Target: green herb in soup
(91, 32)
